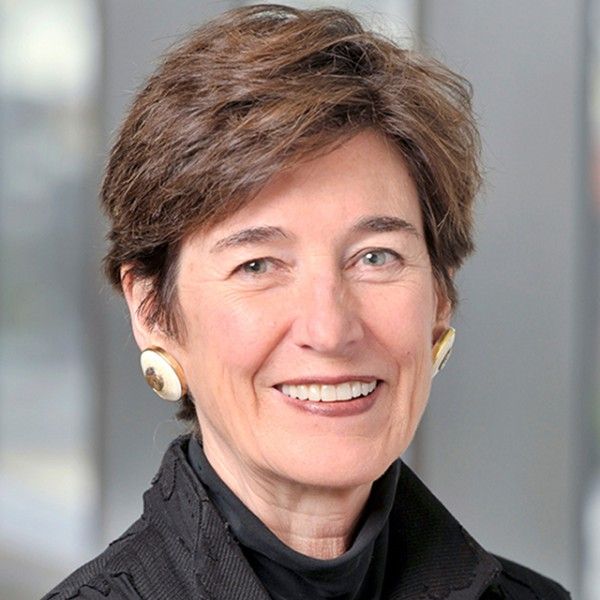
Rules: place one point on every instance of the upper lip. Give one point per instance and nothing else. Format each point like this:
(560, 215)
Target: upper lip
(328, 380)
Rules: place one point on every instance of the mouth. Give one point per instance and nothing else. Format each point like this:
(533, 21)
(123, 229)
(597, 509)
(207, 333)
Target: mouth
(344, 391)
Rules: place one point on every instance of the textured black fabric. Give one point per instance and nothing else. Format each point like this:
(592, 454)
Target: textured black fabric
(181, 549)
(288, 575)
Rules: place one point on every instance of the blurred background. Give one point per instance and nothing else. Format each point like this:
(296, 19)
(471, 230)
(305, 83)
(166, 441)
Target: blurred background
(511, 439)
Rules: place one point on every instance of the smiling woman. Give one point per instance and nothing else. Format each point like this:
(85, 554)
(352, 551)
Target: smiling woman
(349, 304)
(290, 197)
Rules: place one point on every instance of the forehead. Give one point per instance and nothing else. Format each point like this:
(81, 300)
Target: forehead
(365, 175)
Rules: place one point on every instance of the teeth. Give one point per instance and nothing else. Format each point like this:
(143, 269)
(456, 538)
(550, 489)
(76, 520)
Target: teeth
(343, 391)
(329, 393)
(314, 392)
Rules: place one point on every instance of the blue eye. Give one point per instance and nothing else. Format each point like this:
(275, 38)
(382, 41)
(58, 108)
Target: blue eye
(378, 258)
(258, 266)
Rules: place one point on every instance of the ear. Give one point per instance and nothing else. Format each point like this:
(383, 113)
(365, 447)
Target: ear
(135, 291)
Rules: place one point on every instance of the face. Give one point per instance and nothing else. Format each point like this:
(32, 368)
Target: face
(319, 287)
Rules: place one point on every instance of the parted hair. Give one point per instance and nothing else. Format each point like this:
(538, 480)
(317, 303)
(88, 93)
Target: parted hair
(259, 90)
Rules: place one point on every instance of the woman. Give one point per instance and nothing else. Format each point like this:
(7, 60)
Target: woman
(290, 197)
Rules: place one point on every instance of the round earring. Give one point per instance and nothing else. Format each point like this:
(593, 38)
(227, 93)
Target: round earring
(163, 374)
(442, 350)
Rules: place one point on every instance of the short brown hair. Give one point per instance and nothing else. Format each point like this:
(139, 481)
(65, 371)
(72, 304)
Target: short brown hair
(258, 90)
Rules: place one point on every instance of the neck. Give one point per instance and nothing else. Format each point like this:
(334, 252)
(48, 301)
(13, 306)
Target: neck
(316, 521)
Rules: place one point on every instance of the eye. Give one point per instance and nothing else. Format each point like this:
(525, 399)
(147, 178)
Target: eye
(379, 257)
(257, 266)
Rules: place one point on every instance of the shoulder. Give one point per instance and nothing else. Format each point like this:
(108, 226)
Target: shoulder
(147, 561)
(111, 575)
(519, 582)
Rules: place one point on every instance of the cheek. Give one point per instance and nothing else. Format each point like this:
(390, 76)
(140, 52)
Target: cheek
(404, 318)
(405, 332)
(232, 335)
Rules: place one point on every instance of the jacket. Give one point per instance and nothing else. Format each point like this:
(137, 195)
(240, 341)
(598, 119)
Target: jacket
(181, 549)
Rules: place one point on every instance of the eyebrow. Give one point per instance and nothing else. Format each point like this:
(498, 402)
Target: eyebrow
(382, 224)
(247, 237)
(263, 234)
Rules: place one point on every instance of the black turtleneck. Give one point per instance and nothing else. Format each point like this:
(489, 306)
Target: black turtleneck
(357, 574)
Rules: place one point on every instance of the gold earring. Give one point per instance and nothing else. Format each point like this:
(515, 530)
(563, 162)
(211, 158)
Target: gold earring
(442, 350)
(163, 374)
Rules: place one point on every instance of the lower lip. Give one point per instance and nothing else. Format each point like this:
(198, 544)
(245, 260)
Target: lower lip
(341, 408)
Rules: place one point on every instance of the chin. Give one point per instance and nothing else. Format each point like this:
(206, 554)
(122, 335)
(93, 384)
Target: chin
(339, 465)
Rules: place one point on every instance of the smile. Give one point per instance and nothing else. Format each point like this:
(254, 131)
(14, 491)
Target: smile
(315, 392)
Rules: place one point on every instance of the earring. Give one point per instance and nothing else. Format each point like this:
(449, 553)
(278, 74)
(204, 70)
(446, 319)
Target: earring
(163, 374)
(442, 350)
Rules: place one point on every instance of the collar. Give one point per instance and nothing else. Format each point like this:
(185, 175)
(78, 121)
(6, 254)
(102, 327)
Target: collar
(178, 505)
(430, 556)
(357, 573)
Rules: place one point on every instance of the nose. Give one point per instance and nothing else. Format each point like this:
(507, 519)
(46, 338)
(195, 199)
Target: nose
(327, 316)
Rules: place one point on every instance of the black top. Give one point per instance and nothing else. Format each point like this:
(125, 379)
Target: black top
(181, 549)
(289, 575)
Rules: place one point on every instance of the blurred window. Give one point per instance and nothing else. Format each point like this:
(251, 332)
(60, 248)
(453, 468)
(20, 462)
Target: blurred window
(49, 64)
(591, 514)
